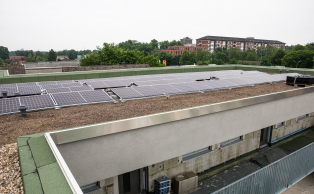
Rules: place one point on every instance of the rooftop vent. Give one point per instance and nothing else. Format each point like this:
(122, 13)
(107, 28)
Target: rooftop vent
(22, 109)
(4, 94)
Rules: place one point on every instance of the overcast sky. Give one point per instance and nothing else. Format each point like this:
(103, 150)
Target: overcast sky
(68, 24)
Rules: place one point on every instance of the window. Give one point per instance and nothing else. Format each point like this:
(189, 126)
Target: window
(300, 118)
(196, 153)
(281, 124)
(231, 142)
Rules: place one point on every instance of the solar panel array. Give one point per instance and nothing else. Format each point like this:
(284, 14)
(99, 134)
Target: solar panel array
(70, 92)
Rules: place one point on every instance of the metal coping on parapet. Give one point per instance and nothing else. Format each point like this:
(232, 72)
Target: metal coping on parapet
(101, 129)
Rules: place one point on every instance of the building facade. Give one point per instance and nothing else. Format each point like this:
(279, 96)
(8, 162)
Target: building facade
(179, 50)
(213, 42)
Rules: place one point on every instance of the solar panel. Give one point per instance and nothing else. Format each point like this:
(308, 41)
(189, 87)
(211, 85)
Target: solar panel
(51, 86)
(37, 102)
(185, 88)
(29, 90)
(30, 84)
(66, 99)
(9, 105)
(47, 83)
(86, 80)
(148, 91)
(65, 82)
(127, 82)
(80, 88)
(74, 84)
(199, 86)
(114, 83)
(143, 83)
(126, 93)
(156, 82)
(219, 84)
(167, 89)
(98, 84)
(96, 96)
(58, 90)
(10, 91)
(8, 86)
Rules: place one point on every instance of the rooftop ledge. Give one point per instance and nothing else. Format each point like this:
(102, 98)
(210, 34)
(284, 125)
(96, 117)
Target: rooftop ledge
(44, 169)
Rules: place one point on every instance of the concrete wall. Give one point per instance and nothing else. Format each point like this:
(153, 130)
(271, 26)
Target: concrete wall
(51, 64)
(291, 126)
(14, 69)
(175, 166)
(103, 157)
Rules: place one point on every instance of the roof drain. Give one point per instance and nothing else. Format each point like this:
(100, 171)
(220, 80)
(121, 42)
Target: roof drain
(4, 94)
(115, 97)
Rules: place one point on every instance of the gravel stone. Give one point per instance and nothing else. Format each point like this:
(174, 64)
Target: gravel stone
(10, 175)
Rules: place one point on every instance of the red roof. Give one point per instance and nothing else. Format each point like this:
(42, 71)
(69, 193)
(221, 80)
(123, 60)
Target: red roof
(16, 57)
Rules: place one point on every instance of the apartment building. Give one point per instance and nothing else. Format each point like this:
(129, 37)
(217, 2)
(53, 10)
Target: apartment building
(213, 42)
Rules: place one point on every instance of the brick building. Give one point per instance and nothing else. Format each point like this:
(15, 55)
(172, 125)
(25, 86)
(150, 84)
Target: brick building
(213, 42)
(178, 50)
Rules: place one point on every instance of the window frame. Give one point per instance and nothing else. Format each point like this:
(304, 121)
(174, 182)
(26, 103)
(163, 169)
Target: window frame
(197, 153)
(231, 142)
(302, 117)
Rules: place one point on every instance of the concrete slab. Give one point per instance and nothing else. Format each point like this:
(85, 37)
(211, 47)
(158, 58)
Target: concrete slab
(223, 179)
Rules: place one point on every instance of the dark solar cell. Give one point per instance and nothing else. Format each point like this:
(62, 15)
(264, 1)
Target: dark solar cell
(219, 84)
(51, 86)
(8, 86)
(114, 83)
(30, 84)
(127, 82)
(65, 82)
(185, 88)
(143, 83)
(9, 105)
(156, 82)
(74, 84)
(96, 96)
(10, 91)
(58, 90)
(148, 91)
(126, 93)
(80, 88)
(98, 84)
(201, 86)
(47, 83)
(37, 102)
(167, 89)
(66, 99)
(29, 90)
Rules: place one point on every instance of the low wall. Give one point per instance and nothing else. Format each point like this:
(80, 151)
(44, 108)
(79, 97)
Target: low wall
(14, 69)
(51, 64)
(103, 67)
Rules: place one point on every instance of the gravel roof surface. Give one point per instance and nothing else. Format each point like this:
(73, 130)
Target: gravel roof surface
(10, 176)
(13, 126)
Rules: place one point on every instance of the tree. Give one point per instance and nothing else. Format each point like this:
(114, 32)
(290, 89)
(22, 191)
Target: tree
(299, 58)
(127, 45)
(90, 59)
(277, 57)
(299, 48)
(202, 56)
(2, 63)
(4, 53)
(71, 55)
(52, 55)
(187, 58)
(251, 56)
(30, 58)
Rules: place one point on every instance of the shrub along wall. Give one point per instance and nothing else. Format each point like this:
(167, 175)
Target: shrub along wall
(103, 67)
(143, 71)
